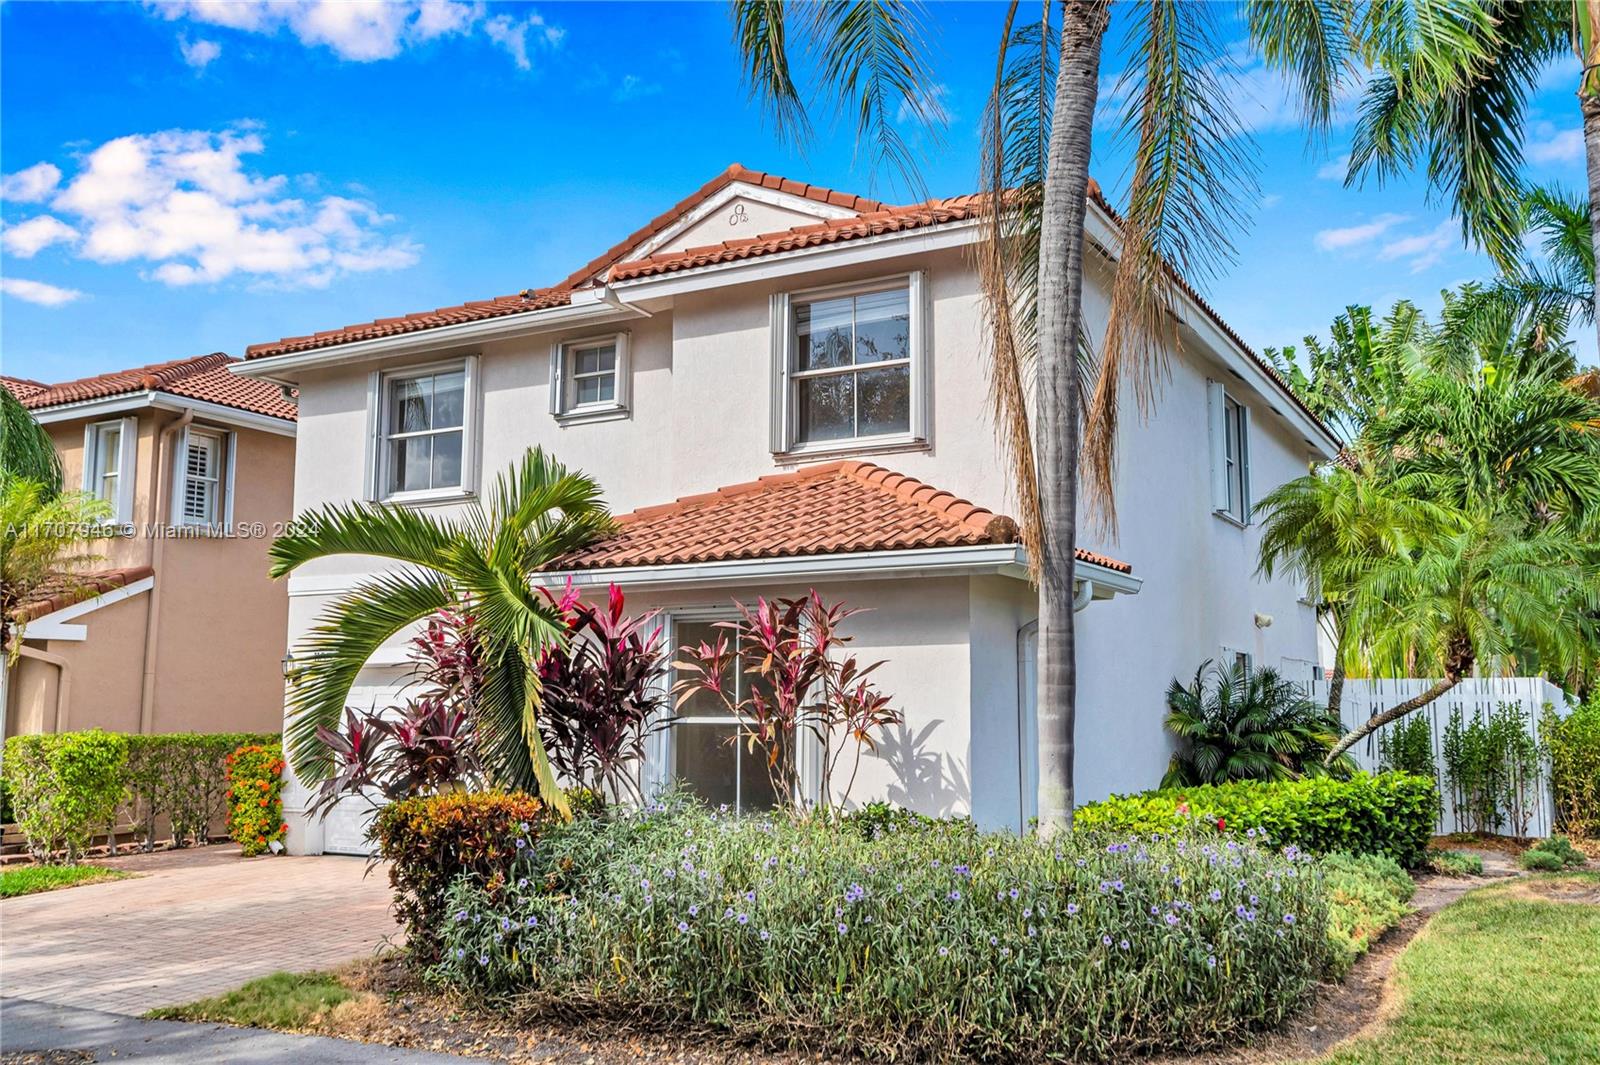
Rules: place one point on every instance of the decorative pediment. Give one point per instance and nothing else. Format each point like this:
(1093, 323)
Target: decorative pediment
(738, 211)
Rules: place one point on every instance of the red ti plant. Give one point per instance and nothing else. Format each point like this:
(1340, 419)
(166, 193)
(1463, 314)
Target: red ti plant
(798, 680)
(427, 746)
(602, 693)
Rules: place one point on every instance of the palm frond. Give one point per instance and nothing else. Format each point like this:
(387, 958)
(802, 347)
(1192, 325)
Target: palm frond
(1192, 167)
(760, 30)
(333, 653)
(26, 451)
(376, 529)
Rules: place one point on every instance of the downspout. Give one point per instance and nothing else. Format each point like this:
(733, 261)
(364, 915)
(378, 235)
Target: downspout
(1083, 596)
(152, 625)
(63, 686)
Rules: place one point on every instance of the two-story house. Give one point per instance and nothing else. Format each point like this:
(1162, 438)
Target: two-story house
(176, 627)
(782, 387)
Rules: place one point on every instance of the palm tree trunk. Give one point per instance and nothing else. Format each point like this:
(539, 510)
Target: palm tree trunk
(1590, 106)
(1056, 401)
(1336, 689)
(1457, 665)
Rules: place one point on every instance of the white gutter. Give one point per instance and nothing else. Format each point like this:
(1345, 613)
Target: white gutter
(590, 310)
(1006, 560)
(210, 412)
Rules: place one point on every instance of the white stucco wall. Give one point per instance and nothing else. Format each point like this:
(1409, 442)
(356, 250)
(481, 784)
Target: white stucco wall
(700, 419)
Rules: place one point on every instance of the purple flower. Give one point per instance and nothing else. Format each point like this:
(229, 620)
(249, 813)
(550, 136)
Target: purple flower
(1288, 918)
(683, 926)
(1124, 944)
(1211, 961)
(461, 952)
(1005, 952)
(533, 922)
(1027, 913)
(843, 928)
(1105, 941)
(1032, 931)
(962, 870)
(728, 912)
(765, 935)
(744, 918)
(1014, 893)
(994, 940)
(772, 862)
(854, 893)
(749, 896)
(1116, 885)
(1216, 896)
(1072, 909)
(1172, 920)
(694, 910)
(521, 843)
(944, 952)
(505, 924)
(483, 959)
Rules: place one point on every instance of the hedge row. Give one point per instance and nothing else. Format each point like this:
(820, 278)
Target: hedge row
(68, 787)
(1390, 814)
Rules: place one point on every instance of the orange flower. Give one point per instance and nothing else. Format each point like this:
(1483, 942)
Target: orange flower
(263, 802)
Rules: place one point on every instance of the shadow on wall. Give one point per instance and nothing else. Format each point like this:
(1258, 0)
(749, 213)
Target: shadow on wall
(924, 779)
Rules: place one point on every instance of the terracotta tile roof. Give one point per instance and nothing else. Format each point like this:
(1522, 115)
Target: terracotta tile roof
(592, 270)
(473, 311)
(62, 590)
(22, 387)
(831, 508)
(559, 294)
(204, 377)
(870, 224)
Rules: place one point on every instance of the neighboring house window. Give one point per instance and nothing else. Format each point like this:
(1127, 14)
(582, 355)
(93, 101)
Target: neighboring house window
(108, 465)
(589, 377)
(850, 366)
(424, 440)
(204, 479)
(708, 749)
(1230, 455)
(1243, 660)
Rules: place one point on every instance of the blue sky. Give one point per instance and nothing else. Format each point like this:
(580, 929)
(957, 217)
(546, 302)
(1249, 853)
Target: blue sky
(190, 177)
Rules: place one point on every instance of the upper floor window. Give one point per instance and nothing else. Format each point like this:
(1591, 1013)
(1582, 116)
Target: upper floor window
(204, 473)
(850, 366)
(589, 377)
(1230, 455)
(108, 464)
(424, 431)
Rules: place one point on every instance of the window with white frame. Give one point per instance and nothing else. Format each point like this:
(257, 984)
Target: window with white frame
(589, 377)
(708, 749)
(204, 474)
(850, 367)
(424, 431)
(1230, 455)
(108, 465)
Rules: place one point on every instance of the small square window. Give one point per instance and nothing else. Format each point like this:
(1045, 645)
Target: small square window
(589, 377)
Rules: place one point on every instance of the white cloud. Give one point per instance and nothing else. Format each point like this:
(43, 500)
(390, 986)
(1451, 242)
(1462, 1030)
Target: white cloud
(27, 239)
(182, 201)
(367, 30)
(1271, 200)
(1423, 249)
(931, 107)
(1334, 169)
(634, 87)
(198, 54)
(38, 292)
(1551, 145)
(1354, 236)
(31, 185)
(514, 35)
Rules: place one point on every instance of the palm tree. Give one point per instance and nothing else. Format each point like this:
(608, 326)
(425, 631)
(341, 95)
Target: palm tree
(1329, 527)
(43, 536)
(1241, 724)
(1450, 95)
(1055, 388)
(482, 564)
(26, 450)
(1487, 592)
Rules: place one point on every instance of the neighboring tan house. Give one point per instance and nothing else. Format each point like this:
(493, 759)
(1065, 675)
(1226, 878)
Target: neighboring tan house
(803, 371)
(177, 628)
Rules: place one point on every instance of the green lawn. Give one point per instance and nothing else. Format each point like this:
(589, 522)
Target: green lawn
(1502, 976)
(288, 1001)
(28, 879)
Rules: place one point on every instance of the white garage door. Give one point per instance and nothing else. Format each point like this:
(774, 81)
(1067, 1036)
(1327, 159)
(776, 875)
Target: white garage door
(344, 831)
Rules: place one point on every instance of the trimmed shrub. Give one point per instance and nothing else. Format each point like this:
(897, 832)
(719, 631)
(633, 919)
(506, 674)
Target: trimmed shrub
(65, 787)
(1389, 814)
(255, 798)
(1553, 855)
(1574, 746)
(184, 776)
(430, 841)
(914, 945)
(1367, 896)
(1455, 863)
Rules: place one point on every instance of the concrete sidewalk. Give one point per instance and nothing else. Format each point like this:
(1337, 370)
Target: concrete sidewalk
(37, 1026)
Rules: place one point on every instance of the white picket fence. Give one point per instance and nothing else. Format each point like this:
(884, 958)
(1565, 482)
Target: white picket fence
(1476, 699)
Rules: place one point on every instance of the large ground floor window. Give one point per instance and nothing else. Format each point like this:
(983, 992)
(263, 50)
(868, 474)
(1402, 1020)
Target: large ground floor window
(710, 748)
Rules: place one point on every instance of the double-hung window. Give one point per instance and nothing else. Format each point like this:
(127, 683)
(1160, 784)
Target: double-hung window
(589, 378)
(108, 465)
(203, 489)
(424, 432)
(850, 367)
(1230, 455)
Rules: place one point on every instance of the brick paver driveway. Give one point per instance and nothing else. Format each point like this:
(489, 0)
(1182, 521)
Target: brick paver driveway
(192, 924)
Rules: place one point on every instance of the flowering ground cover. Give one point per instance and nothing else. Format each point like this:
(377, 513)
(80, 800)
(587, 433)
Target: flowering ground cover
(928, 941)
